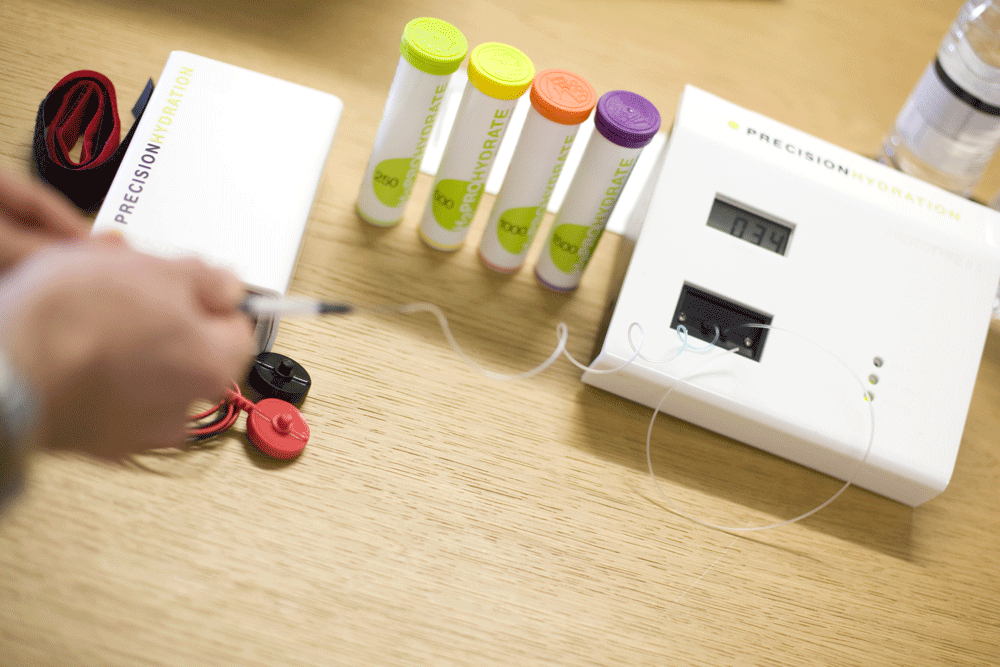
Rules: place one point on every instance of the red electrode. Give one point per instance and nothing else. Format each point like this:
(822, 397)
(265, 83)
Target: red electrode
(274, 426)
(277, 428)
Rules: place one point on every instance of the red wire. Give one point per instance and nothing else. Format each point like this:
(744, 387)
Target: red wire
(201, 415)
(233, 403)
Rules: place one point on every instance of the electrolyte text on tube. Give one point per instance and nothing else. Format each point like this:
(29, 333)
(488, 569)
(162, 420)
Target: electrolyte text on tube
(625, 123)
(560, 102)
(430, 51)
(498, 75)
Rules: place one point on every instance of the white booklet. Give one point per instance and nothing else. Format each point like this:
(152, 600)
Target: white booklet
(224, 165)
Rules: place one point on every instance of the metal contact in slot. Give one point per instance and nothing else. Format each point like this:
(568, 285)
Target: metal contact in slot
(717, 320)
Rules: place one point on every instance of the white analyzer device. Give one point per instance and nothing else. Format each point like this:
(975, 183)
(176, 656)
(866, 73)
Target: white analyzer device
(754, 222)
(224, 165)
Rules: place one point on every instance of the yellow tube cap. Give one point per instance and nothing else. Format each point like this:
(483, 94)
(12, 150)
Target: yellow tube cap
(500, 71)
(433, 46)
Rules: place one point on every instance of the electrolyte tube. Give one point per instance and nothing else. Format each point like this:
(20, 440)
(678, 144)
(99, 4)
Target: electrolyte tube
(498, 75)
(560, 102)
(625, 123)
(430, 51)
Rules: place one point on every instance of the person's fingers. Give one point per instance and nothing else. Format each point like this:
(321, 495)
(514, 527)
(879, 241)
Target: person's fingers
(231, 340)
(17, 245)
(169, 435)
(36, 205)
(219, 291)
(217, 354)
(109, 240)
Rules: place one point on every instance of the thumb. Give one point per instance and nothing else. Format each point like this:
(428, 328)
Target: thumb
(109, 240)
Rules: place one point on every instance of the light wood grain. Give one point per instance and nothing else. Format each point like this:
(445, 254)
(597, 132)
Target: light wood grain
(440, 518)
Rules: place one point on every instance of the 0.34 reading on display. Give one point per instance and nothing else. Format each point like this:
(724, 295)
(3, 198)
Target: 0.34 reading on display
(748, 226)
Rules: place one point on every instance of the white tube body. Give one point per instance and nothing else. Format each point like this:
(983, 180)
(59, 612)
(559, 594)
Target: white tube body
(590, 199)
(411, 109)
(520, 206)
(468, 157)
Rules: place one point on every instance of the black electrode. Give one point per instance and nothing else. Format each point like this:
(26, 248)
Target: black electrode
(274, 375)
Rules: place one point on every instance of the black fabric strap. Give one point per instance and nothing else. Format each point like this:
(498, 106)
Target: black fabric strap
(82, 106)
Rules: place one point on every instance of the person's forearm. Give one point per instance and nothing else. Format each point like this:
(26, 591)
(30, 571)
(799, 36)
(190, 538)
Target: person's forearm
(18, 420)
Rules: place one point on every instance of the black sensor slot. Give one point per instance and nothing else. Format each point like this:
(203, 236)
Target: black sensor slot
(701, 312)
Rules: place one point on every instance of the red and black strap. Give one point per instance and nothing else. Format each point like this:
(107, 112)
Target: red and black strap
(82, 107)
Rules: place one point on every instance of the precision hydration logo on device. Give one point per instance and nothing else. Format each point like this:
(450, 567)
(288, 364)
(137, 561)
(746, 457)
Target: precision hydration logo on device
(144, 167)
(847, 172)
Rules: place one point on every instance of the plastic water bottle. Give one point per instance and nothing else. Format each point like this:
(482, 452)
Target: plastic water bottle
(949, 128)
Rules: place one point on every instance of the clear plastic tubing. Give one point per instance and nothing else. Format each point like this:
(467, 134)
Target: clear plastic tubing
(560, 102)
(625, 124)
(430, 51)
(498, 75)
(949, 128)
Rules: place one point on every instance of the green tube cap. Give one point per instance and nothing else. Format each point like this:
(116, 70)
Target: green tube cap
(433, 46)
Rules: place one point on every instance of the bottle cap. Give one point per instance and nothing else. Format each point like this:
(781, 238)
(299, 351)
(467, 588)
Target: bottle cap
(277, 428)
(626, 119)
(500, 71)
(562, 97)
(433, 46)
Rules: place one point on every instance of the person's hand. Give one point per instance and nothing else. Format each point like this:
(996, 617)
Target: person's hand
(117, 345)
(31, 217)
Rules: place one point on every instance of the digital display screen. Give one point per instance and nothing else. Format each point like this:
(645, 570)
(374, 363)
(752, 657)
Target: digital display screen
(750, 227)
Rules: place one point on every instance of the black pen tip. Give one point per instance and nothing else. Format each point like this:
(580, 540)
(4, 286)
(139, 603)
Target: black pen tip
(334, 308)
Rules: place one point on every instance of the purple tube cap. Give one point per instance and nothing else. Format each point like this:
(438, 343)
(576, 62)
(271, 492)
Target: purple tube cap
(626, 119)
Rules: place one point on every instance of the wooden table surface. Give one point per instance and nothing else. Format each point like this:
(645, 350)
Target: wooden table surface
(441, 518)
